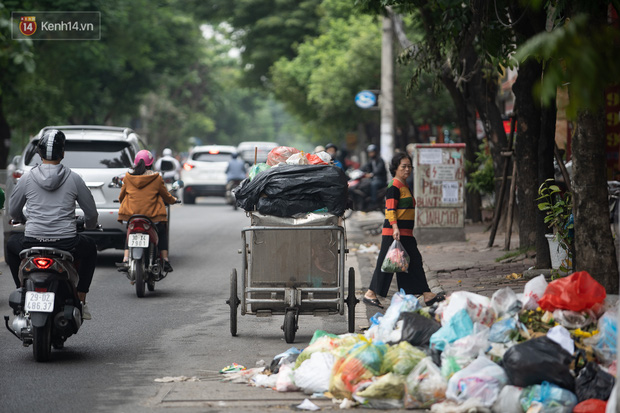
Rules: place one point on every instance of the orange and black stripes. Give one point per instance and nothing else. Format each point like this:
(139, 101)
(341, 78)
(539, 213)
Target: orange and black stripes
(399, 208)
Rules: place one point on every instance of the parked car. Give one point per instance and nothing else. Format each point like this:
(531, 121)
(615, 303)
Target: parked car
(247, 149)
(204, 171)
(97, 154)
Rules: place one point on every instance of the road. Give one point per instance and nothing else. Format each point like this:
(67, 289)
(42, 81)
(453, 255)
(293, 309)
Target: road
(181, 329)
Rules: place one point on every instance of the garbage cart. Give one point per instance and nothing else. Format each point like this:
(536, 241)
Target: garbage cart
(293, 267)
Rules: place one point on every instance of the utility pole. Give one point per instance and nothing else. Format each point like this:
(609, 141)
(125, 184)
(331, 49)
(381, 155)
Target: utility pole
(387, 90)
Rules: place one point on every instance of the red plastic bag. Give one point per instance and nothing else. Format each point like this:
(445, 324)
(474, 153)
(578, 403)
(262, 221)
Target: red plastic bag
(577, 292)
(280, 154)
(591, 406)
(315, 159)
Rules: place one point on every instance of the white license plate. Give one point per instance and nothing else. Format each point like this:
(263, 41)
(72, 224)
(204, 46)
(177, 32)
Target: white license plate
(39, 302)
(139, 240)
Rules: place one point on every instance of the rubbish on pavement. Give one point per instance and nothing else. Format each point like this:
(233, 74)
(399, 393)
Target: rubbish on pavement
(593, 383)
(482, 379)
(232, 368)
(396, 259)
(287, 357)
(176, 379)
(533, 292)
(537, 360)
(552, 398)
(469, 353)
(308, 405)
(576, 292)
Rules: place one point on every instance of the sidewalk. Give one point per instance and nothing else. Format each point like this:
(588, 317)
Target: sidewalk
(449, 266)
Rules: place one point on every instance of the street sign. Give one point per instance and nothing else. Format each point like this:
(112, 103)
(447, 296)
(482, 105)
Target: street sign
(365, 99)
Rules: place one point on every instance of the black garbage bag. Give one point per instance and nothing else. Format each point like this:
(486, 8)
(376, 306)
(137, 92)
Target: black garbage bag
(288, 190)
(593, 383)
(537, 360)
(417, 329)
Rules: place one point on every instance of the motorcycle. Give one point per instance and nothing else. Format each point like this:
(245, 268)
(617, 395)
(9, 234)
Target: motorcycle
(359, 193)
(230, 196)
(46, 307)
(145, 263)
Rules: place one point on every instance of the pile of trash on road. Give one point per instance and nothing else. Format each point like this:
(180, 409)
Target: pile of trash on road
(550, 349)
(293, 183)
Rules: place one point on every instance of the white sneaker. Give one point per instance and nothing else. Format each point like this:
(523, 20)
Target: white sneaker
(85, 313)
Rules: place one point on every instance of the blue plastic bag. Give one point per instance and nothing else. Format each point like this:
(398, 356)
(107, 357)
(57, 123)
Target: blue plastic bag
(460, 325)
(554, 399)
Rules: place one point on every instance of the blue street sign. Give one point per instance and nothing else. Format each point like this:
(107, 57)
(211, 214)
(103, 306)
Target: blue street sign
(365, 99)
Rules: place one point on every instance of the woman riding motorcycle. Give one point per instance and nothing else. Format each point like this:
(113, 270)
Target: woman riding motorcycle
(144, 193)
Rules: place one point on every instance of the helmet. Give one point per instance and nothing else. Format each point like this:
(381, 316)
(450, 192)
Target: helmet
(51, 146)
(234, 155)
(144, 155)
(371, 148)
(319, 148)
(167, 152)
(330, 145)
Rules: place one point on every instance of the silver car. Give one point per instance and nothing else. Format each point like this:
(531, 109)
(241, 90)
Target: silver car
(97, 154)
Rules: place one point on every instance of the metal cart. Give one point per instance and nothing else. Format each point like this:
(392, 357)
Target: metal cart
(293, 267)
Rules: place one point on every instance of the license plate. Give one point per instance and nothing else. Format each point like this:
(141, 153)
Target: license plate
(139, 240)
(39, 302)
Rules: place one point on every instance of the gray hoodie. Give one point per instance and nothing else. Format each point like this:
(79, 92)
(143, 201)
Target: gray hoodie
(49, 193)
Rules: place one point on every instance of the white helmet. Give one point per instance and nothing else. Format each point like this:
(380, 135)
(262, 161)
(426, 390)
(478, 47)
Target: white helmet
(167, 152)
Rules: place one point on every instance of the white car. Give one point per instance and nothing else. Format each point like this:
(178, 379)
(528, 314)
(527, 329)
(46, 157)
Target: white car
(204, 172)
(249, 149)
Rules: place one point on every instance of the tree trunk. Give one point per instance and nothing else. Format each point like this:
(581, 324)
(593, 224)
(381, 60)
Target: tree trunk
(594, 248)
(5, 136)
(546, 145)
(526, 151)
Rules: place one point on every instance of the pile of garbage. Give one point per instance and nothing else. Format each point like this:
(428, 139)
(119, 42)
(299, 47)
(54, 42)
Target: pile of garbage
(550, 349)
(292, 183)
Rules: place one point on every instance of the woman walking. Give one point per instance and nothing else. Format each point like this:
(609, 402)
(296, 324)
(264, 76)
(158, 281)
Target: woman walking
(398, 225)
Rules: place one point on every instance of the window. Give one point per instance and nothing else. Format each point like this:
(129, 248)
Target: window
(211, 157)
(90, 154)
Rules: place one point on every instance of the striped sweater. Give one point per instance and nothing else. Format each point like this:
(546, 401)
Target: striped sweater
(399, 208)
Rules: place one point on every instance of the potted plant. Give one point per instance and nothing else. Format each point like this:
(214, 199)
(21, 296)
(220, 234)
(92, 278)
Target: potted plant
(558, 209)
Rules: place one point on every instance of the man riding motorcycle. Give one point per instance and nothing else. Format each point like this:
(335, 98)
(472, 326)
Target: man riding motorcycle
(49, 191)
(169, 166)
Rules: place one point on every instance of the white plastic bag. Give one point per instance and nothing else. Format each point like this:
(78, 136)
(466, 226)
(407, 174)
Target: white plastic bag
(400, 302)
(508, 400)
(505, 303)
(460, 353)
(285, 380)
(562, 336)
(297, 159)
(482, 379)
(478, 307)
(533, 292)
(313, 375)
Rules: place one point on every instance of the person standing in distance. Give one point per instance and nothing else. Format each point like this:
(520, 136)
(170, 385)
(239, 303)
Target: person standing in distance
(375, 170)
(49, 191)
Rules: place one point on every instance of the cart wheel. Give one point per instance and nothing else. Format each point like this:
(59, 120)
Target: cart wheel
(290, 326)
(233, 301)
(351, 300)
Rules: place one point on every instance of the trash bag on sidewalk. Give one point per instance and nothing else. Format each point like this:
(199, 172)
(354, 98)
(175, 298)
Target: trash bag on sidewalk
(400, 303)
(417, 329)
(460, 353)
(482, 379)
(505, 303)
(313, 375)
(478, 307)
(401, 358)
(604, 343)
(460, 325)
(537, 360)
(508, 400)
(533, 292)
(424, 385)
(289, 190)
(593, 383)
(591, 406)
(554, 399)
(385, 392)
(577, 292)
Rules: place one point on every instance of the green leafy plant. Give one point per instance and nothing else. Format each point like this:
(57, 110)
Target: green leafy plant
(558, 209)
(482, 179)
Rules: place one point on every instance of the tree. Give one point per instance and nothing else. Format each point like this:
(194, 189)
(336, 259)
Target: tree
(582, 53)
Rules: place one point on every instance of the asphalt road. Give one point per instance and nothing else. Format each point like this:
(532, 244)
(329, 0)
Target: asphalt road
(181, 329)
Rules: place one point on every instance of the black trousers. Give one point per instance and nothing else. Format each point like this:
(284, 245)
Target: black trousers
(413, 281)
(83, 249)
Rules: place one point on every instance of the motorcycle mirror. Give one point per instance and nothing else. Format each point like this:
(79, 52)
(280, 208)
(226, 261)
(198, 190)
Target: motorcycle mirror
(178, 184)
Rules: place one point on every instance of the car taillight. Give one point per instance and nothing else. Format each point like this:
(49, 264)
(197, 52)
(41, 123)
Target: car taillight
(17, 174)
(40, 289)
(188, 166)
(43, 263)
